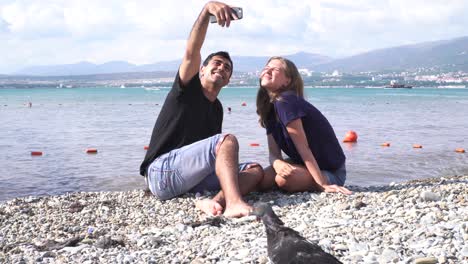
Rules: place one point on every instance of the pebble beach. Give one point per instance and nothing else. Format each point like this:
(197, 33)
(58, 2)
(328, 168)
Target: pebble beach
(421, 221)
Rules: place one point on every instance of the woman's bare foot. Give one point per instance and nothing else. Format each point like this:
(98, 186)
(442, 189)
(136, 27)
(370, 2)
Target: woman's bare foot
(209, 207)
(237, 209)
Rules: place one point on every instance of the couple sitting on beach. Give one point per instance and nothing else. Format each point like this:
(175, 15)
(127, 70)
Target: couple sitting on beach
(188, 152)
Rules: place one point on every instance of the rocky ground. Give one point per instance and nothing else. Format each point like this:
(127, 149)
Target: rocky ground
(422, 221)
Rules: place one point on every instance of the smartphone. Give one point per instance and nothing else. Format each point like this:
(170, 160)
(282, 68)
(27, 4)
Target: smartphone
(236, 10)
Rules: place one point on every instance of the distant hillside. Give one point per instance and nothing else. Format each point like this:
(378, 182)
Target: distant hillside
(246, 63)
(241, 64)
(169, 66)
(445, 55)
(301, 59)
(442, 55)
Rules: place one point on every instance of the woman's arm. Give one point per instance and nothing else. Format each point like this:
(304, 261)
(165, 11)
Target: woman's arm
(297, 134)
(274, 152)
(281, 167)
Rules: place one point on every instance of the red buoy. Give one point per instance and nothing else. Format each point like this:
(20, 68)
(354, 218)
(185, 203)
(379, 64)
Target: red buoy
(350, 136)
(91, 151)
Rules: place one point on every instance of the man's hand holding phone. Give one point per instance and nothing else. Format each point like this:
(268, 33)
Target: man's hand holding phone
(236, 13)
(222, 13)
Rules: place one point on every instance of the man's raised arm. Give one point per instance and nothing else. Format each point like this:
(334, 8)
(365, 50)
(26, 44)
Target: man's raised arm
(192, 57)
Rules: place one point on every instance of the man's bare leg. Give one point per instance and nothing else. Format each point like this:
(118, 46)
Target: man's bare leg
(248, 179)
(268, 182)
(233, 184)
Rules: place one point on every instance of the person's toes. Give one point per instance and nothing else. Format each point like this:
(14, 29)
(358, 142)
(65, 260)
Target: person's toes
(217, 209)
(238, 210)
(209, 207)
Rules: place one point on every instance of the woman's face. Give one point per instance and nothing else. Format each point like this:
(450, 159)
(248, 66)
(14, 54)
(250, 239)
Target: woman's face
(273, 76)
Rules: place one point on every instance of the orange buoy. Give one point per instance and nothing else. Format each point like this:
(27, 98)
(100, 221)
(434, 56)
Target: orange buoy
(244, 104)
(385, 144)
(350, 136)
(254, 144)
(146, 147)
(417, 146)
(91, 151)
(36, 153)
(460, 150)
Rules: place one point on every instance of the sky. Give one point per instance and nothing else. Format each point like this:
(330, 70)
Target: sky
(50, 32)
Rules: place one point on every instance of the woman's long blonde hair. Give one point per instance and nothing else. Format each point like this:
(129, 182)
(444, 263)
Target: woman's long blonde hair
(265, 99)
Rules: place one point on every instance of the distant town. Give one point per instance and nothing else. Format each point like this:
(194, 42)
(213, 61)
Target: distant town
(417, 78)
(408, 79)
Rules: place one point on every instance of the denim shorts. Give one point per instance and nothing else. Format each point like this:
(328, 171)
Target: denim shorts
(187, 169)
(337, 176)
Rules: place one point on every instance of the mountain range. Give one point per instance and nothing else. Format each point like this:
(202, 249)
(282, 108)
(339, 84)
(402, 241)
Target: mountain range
(451, 55)
(448, 55)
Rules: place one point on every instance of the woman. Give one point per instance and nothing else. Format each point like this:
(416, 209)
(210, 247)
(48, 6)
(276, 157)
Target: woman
(316, 161)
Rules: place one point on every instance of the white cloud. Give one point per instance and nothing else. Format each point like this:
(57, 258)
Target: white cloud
(146, 31)
(32, 20)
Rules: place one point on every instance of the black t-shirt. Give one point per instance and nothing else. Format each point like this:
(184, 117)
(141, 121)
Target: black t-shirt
(187, 116)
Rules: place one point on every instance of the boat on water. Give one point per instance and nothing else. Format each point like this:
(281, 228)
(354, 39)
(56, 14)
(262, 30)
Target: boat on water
(394, 84)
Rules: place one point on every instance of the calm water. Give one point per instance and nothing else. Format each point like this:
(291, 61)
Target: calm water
(62, 123)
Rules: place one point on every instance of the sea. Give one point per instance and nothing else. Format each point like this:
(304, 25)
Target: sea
(63, 123)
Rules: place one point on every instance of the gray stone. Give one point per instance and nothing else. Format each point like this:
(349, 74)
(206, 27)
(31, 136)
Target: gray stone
(429, 196)
(464, 251)
(128, 259)
(74, 250)
(389, 256)
(425, 260)
(198, 261)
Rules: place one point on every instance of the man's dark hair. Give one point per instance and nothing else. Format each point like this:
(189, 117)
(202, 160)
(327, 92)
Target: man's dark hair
(223, 54)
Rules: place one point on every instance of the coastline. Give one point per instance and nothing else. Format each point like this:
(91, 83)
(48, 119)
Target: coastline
(401, 223)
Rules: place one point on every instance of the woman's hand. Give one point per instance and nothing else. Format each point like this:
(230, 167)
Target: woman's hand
(333, 188)
(283, 169)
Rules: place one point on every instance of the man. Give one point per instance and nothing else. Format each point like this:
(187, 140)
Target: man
(187, 153)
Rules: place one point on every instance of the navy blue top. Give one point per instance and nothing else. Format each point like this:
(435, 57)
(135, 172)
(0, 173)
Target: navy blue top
(320, 135)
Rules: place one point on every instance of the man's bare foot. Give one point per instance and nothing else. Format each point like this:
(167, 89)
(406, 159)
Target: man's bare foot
(238, 209)
(210, 207)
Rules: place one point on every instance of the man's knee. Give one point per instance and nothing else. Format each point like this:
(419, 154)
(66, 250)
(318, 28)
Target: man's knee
(230, 139)
(227, 140)
(255, 170)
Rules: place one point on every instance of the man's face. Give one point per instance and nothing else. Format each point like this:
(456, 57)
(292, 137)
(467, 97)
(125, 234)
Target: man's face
(218, 71)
